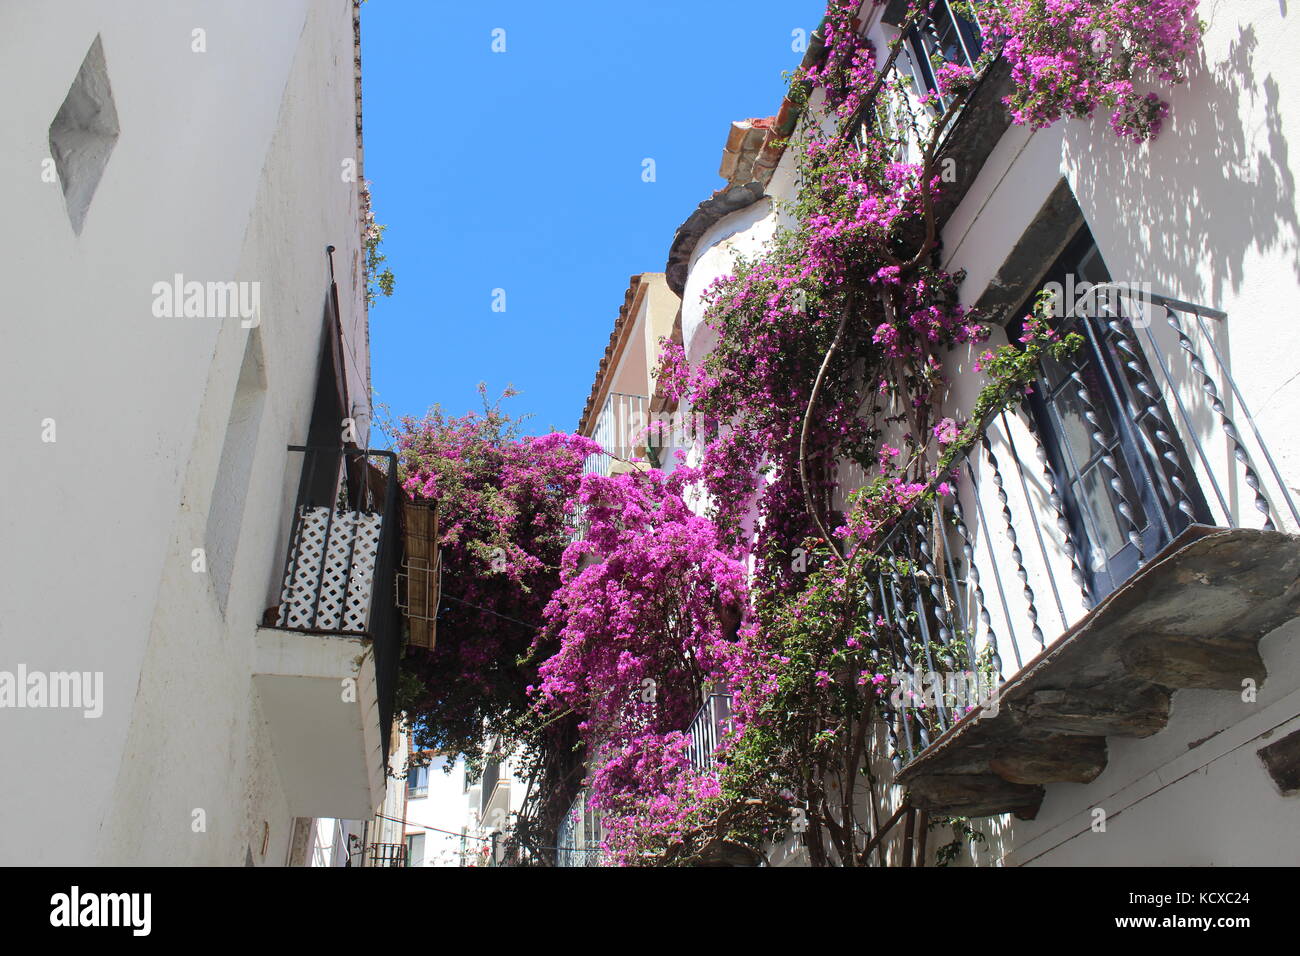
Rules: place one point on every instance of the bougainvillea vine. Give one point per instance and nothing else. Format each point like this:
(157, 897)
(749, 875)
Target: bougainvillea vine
(746, 566)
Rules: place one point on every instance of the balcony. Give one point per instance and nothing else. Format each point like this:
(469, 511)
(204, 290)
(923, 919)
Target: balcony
(1123, 535)
(385, 854)
(969, 137)
(489, 798)
(944, 35)
(325, 669)
(621, 429)
(710, 727)
(580, 834)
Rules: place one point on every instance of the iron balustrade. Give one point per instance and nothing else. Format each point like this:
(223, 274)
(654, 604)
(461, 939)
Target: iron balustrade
(580, 834)
(963, 591)
(941, 34)
(582, 856)
(343, 554)
(709, 728)
(1183, 318)
(385, 854)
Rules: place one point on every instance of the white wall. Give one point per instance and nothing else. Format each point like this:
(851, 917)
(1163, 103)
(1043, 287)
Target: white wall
(440, 815)
(226, 168)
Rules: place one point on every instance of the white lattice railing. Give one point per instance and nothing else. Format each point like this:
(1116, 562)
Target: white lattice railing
(331, 571)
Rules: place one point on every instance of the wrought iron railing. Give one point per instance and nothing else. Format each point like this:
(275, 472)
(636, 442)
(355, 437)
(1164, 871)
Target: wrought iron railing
(385, 854)
(940, 34)
(709, 728)
(580, 856)
(946, 35)
(970, 587)
(343, 551)
(339, 569)
(1182, 322)
(580, 834)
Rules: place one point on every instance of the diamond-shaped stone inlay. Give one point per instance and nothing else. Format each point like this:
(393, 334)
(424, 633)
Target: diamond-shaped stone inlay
(84, 133)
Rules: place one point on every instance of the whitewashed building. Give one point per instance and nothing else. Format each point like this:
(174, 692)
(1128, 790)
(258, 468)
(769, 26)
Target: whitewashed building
(438, 815)
(183, 252)
(619, 411)
(495, 797)
(1126, 540)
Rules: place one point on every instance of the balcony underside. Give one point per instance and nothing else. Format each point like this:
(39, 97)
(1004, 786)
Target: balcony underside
(1191, 618)
(974, 135)
(320, 701)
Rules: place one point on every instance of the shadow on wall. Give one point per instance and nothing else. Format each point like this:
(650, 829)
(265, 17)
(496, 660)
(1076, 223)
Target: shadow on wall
(1218, 182)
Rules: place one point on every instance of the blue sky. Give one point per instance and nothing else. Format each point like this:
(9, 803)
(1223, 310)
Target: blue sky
(522, 171)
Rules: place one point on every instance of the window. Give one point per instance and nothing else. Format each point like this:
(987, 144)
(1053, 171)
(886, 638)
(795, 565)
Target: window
(946, 35)
(415, 849)
(1124, 477)
(417, 782)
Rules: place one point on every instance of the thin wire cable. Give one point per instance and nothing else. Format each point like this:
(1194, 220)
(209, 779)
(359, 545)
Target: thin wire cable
(469, 836)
